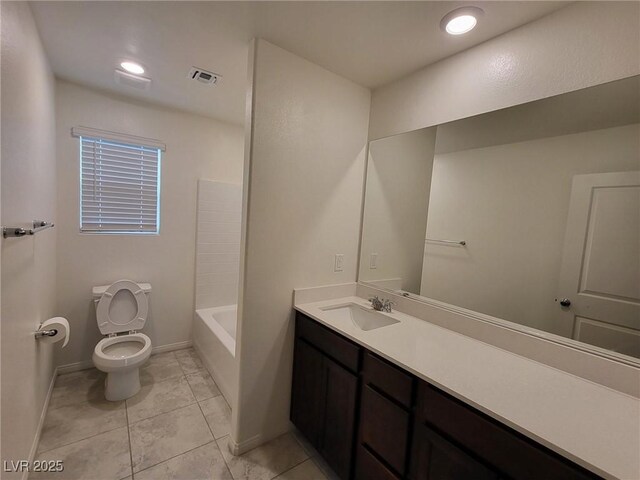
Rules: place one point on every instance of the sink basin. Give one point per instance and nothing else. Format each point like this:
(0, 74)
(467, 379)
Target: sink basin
(362, 317)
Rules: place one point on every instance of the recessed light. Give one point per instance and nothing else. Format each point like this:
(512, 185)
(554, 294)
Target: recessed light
(461, 20)
(133, 67)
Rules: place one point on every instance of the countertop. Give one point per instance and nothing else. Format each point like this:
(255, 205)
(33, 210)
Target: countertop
(592, 425)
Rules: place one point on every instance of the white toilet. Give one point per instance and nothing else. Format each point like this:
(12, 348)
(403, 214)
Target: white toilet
(121, 310)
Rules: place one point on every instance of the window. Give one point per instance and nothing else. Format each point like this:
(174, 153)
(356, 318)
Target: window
(119, 182)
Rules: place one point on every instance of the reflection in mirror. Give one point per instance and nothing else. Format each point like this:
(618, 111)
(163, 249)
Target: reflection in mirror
(530, 214)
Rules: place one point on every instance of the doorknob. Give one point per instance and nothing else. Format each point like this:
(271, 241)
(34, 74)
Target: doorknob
(565, 302)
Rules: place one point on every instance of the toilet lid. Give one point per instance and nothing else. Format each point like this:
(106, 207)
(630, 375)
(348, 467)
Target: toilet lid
(108, 324)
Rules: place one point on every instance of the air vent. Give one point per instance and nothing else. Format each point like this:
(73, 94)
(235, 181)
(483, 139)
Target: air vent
(130, 80)
(204, 76)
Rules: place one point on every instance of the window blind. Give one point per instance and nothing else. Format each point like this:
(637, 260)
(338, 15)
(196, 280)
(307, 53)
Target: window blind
(120, 186)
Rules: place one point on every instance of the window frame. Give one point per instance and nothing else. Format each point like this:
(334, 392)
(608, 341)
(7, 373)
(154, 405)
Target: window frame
(126, 141)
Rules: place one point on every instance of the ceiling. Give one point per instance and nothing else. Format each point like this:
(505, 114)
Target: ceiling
(370, 43)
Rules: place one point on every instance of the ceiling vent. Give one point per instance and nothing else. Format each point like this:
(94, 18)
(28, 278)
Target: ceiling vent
(130, 80)
(204, 76)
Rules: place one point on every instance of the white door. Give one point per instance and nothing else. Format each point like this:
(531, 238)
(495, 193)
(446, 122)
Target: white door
(600, 272)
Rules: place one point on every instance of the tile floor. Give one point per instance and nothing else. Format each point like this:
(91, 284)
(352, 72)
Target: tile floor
(176, 427)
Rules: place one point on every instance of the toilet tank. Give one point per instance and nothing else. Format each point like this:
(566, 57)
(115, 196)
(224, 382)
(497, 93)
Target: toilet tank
(99, 291)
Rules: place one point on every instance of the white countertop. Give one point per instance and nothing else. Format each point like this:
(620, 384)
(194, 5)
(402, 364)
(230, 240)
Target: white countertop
(593, 425)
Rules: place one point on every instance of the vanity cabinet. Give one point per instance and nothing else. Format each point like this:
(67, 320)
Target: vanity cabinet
(324, 392)
(372, 420)
(452, 436)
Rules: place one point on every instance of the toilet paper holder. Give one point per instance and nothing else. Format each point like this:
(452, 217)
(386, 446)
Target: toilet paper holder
(46, 333)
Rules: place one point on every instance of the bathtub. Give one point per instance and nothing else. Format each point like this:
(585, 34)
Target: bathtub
(214, 338)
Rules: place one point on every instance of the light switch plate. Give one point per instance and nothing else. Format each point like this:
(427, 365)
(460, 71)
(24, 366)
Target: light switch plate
(339, 262)
(373, 261)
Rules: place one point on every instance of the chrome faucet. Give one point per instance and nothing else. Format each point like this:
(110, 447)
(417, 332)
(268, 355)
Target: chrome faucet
(381, 304)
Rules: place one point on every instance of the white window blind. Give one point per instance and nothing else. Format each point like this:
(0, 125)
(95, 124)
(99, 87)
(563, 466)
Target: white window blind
(120, 186)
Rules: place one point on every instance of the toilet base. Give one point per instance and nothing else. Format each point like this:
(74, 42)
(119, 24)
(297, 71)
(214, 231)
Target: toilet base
(122, 385)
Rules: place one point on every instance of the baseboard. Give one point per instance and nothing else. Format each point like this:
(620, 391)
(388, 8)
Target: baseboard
(43, 415)
(74, 367)
(171, 347)
(86, 364)
(242, 447)
(251, 443)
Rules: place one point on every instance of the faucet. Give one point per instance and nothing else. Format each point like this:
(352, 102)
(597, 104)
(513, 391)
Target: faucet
(380, 304)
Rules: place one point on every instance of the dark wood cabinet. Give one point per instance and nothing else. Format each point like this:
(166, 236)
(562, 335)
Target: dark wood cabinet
(324, 394)
(385, 415)
(306, 391)
(504, 449)
(368, 467)
(340, 402)
(435, 458)
(384, 428)
(406, 428)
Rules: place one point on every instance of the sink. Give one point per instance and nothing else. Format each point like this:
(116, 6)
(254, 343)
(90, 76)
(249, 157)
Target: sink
(362, 317)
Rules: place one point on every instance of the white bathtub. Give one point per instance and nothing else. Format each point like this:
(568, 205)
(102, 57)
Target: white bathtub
(214, 338)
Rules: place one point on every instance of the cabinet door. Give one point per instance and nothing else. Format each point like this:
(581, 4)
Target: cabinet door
(435, 458)
(307, 404)
(340, 391)
(369, 467)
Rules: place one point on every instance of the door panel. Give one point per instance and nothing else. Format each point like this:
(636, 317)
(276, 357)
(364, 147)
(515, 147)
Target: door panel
(622, 339)
(600, 272)
(612, 257)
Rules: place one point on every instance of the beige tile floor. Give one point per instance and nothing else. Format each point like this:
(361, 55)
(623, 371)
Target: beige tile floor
(176, 427)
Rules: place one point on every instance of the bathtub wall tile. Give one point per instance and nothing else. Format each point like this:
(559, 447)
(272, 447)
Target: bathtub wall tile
(218, 243)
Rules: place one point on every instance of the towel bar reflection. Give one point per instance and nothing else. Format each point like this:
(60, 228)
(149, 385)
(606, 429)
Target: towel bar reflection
(460, 243)
(38, 225)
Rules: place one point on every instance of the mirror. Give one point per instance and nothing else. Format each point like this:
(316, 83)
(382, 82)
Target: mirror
(529, 214)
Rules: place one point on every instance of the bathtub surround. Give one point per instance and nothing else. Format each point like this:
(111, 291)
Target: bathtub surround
(217, 270)
(214, 338)
(28, 263)
(197, 147)
(218, 243)
(306, 136)
(599, 40)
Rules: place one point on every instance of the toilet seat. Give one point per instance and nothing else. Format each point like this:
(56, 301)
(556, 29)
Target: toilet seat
(107, 358)
(106, 324)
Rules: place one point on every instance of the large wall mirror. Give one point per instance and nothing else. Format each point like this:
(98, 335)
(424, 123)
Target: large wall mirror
(529, 214)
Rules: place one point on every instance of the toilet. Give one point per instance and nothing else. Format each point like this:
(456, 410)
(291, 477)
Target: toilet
(121, 310)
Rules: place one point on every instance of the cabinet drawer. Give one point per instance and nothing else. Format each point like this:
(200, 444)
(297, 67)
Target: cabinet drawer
(331, 344)
(384, 428)
(505, 449)
(388, 378)
(369, 467)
